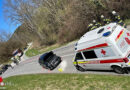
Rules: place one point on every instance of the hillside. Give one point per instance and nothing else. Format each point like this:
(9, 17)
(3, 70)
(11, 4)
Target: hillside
(19, 39)
(23, 35)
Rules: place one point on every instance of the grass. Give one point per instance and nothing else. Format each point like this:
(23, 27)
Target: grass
(127, 22)
(32, 52)
(67, 82)
(36, 51)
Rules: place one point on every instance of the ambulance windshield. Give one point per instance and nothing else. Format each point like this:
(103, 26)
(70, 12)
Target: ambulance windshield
(79, 56)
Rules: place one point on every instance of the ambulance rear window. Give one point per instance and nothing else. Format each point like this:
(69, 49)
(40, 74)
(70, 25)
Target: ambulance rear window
(89, 54)
(79, 56)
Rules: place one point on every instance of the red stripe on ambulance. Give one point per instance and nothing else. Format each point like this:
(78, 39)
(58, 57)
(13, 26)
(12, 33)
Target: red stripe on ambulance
(104, 61)
(127, 40)
(118, 36)
(96, 46)
(112, 61)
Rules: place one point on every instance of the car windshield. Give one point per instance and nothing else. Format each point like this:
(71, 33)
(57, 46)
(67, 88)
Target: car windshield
(48, 57)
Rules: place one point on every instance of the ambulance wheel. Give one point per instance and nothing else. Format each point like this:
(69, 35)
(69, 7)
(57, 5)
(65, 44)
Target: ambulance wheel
(79, 68)
(118, 69)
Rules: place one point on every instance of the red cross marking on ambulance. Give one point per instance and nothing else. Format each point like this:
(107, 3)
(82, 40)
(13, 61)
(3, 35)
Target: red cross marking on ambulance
(103, 52)
(128, 34)
(127, 40)
(108, 27)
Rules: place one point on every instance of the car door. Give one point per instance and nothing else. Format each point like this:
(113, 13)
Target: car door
(91, 59)
(79, 60)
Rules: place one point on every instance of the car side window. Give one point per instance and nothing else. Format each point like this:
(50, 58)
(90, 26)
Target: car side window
(79, 56)
(89, 54)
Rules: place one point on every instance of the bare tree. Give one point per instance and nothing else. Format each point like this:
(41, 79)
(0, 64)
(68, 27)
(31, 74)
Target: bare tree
(21, 11)
(5, 36)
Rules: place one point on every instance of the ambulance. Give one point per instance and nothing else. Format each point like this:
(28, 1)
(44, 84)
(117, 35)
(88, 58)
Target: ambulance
(105, 48)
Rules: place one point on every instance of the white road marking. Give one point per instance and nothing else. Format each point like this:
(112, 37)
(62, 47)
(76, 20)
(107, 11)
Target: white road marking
(63, 65)
(67, 55)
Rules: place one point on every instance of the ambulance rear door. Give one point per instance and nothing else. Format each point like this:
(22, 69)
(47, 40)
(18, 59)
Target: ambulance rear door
(123, 41)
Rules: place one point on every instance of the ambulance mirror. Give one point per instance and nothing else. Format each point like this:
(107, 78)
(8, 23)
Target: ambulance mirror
(100, 31)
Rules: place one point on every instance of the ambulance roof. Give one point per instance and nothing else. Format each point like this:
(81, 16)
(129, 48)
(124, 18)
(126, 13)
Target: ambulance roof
(96, 33)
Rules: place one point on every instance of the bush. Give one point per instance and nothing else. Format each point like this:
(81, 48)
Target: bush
(7, 48)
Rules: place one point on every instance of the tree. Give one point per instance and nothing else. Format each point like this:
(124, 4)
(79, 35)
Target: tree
(5, 36)
(22, 12)
(7, 46)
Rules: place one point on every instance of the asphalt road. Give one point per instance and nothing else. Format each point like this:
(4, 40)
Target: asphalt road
(31, 65)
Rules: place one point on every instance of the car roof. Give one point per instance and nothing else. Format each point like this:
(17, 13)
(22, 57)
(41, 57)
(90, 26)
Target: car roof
(45, 54)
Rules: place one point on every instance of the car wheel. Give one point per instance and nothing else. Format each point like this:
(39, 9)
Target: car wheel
(79, 68)
(118, 69)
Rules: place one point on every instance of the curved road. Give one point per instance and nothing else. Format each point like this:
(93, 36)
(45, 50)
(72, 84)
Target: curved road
(31, 65)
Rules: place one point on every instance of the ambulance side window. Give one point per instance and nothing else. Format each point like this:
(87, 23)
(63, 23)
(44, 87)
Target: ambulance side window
(79, 56)
(89, 54)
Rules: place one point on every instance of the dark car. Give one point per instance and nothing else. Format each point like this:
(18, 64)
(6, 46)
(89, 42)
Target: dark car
(4, 68)
(49, 60)
(1, 72)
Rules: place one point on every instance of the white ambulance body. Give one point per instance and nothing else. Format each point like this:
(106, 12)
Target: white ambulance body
(105, 48)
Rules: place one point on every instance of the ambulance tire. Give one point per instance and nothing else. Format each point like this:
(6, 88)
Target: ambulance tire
(79, 68)
(118, 69)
